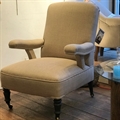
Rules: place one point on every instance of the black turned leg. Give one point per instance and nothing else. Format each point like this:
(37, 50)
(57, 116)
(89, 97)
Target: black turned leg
(90, 84)
(6, 93)
(101, 51)
(57, 106)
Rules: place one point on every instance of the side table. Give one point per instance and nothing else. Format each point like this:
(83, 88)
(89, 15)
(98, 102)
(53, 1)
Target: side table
(106, 72)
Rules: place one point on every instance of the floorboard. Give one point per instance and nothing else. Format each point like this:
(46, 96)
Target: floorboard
(77, 105)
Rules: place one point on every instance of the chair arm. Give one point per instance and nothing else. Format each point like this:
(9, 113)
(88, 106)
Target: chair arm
(115, 21)
(26, 44)
(83, 53)
(79, 49)
(112, 21)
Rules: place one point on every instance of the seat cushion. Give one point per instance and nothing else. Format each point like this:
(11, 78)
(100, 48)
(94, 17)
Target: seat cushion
(48, 77)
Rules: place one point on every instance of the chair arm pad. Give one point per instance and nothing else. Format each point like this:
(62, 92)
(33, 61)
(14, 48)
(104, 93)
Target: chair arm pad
(79, 49)
(26, 44)
(112, 21)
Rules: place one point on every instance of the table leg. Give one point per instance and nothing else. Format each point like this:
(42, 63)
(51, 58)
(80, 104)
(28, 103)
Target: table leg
(115, 100)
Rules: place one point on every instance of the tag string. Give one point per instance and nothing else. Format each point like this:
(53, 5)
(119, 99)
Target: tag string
(17, 7)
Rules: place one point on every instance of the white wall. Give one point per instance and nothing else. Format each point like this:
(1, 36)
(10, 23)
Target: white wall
(0, 40)
(0, 35)
(28, 24)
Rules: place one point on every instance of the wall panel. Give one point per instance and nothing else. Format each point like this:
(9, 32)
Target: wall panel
(27, 24)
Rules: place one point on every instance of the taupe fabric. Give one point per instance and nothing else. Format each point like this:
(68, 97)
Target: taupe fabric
(26, 44)
(54, 75)
(68, 23)
(79, 49)
(48, 77)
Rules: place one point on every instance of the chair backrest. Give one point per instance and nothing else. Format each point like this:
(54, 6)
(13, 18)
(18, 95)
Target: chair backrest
(69, 23)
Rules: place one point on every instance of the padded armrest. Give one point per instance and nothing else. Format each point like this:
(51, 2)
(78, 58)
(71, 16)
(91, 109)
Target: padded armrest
(111, 21)
(79, 49)
(114, 21)
(26, 44)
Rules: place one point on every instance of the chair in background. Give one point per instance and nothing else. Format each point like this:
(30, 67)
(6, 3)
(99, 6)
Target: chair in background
(67, 55)
(110, 24)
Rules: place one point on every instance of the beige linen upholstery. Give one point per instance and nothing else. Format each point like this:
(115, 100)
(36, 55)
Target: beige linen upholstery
(110, 24)
(67, 54)
(26, 44)
(49, 80)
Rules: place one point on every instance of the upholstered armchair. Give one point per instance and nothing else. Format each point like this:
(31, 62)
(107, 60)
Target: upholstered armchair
(110, 24)
(67, 55)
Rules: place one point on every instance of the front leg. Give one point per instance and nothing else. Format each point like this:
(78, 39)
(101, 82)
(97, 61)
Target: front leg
(57, 106)
(6, 93)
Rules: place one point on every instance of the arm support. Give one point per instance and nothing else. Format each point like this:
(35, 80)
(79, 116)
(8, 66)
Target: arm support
(115, 21)
(83, 52)
(79, 49)
(112, 21)
(28, 45)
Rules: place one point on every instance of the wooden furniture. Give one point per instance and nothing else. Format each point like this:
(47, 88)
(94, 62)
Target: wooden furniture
(107, 73)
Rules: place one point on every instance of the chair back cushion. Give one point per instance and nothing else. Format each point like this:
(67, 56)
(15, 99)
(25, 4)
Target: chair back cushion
(68, 23)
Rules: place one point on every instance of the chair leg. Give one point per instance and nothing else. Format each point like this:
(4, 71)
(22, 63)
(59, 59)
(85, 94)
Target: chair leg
(57, 106)
(96, 53)
(101, 51)
(90, 84)
(6, 93)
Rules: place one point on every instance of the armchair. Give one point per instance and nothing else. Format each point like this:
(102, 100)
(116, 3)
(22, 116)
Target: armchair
(110, 24)
(67, 55)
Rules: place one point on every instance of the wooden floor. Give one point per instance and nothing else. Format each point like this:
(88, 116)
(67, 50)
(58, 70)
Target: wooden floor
(77, 105)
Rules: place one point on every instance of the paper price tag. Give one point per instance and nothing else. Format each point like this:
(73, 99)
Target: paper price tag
(99, 36)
